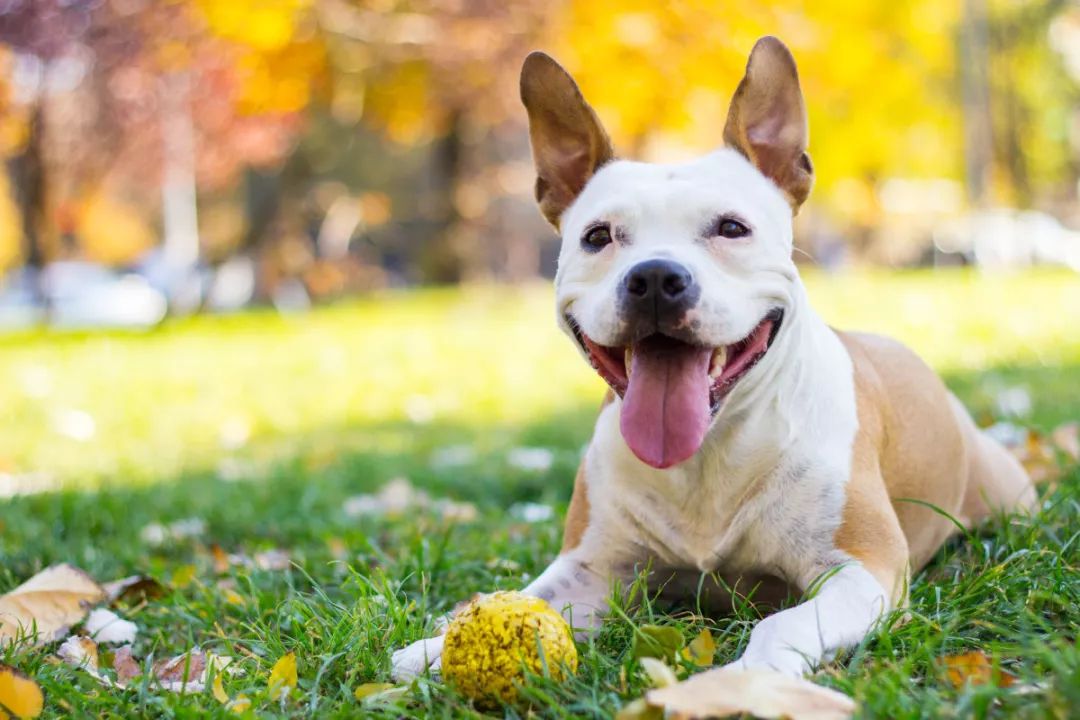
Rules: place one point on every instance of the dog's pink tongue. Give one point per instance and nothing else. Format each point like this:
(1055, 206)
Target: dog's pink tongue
(665, 411)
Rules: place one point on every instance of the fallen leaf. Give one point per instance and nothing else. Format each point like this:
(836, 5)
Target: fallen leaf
(337, 547)
(656, 641)
(273, 560)
(1067, 439)
(107, 627)
(368, 690)
(183, 673)
(47, 604)
(763, 693)
(157, 534)
(398, 497)
(659, 674)
(124, 666)
(221, 559)
(81, 652)
(239, 705)
(701, 649)
(283, 677)
(640, 709)
(234, 598)
(976, 668)
(20, 696)
(183, 576)
(134, 589)
(218, 690)
(1037, 456)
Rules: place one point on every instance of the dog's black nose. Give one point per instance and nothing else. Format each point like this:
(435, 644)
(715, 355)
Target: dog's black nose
(658, 280)
(659, 290)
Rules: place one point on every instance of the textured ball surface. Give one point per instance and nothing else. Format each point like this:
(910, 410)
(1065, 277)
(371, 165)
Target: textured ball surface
(491, 640)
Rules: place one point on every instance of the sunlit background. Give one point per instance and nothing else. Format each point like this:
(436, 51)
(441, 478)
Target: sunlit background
(221, 220)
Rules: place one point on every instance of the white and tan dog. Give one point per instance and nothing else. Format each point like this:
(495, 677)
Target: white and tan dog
(744, 437)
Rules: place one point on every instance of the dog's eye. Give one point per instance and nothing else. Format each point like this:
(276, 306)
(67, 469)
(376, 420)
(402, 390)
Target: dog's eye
(730, 228)
(596, 238)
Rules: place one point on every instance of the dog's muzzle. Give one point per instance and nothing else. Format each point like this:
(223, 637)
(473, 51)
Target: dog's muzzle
(655, 296)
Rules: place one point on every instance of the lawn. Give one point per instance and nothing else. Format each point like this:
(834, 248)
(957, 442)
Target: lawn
(263, 426)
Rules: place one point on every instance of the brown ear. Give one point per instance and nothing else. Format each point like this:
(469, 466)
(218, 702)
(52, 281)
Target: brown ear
(767, 120)
(568, 142)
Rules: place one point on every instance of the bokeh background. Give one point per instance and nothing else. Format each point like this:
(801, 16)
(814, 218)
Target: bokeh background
(245, 232)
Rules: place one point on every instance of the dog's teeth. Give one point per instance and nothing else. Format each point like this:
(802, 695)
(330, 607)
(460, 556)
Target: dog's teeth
(719, 359)
(627, 357)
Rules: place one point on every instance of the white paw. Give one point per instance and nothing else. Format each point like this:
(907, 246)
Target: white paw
(413, 660)
(773, 646)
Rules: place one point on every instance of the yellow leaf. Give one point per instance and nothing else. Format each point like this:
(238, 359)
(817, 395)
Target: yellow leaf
(219, 691)
(640, 710)
(234, 598)
(369, 689)
(762, 693)
(239, 705)
(183, 576)
(660, 675)
(282, 677)
(701, 649)
(19, 695)
(976, 668)
(47, 604)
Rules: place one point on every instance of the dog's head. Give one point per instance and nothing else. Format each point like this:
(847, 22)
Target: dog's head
(674, 280)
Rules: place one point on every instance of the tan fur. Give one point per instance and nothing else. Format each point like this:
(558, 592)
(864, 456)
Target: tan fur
(569, 144)
(577, 514)
(767, 120)
(915, 442)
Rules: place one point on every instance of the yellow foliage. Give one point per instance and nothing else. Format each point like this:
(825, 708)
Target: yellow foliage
(280, 57)
(878, 77)
(265, 25)
(112, 232)
(10, 227)
(400, 103)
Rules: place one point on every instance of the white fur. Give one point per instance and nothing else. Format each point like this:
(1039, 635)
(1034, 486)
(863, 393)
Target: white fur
(765, 493)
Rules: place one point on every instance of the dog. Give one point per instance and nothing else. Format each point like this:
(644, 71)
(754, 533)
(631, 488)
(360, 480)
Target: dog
(743, 439)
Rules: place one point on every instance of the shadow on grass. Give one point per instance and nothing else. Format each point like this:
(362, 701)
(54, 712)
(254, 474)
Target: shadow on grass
(297, 500)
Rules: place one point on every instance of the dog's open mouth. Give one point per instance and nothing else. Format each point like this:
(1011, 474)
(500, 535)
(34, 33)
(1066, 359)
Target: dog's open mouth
(671, 389)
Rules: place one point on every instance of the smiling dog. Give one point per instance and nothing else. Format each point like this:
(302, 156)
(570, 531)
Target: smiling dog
(743, 436)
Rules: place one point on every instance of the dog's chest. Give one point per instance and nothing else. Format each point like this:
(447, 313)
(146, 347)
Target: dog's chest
(730, 512)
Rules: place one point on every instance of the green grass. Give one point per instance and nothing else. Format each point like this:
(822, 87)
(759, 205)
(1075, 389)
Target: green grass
(263, 425)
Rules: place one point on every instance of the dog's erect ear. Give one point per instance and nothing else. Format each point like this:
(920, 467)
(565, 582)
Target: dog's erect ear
(568, 142)
(767, 120)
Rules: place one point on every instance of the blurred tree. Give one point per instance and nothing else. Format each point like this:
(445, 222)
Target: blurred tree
(146, 100)
(444, 73)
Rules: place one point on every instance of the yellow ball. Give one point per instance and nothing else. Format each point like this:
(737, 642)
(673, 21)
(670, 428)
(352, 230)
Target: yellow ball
(491, 640)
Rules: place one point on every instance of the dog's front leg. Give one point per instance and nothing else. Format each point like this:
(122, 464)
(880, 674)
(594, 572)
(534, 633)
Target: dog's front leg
(796, 640)
(575, 584)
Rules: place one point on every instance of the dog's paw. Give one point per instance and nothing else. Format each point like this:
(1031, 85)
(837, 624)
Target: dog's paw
(787, 662)
(415, 659)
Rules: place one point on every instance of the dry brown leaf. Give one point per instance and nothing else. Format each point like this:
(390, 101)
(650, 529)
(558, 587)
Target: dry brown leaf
(125, 666)
(220, 558)
(762, 693)
(976, 668)
(20, 696)
(134, 589)
(48, 604)
(183, 672)
(81, 652)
